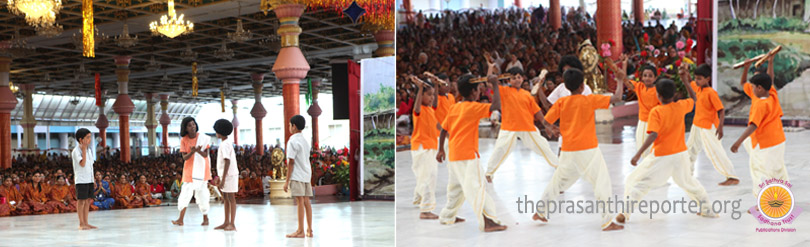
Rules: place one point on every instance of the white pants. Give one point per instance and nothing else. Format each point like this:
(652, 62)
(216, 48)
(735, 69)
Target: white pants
(425, 167)
(766, 164)
(200, 191)
(641, 136)
(587, 164)
(707, 140)
(655, 171)
(467, 182)
(506, 141)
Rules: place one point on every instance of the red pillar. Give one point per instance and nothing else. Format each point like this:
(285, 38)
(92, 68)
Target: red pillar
(123, 104)
(554, 14)
(314, 111)
(258, 112)
(7, 103)
(609, 25)
(638, 11)
(235, 123)
(704, 28)
(354, 130)
(102, 123)
(290, 66)
(517, 3)
(408, 10)
(164, 121)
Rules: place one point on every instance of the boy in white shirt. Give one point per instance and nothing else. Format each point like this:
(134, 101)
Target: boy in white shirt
(83, 159)
(228, 172)
(299, 174)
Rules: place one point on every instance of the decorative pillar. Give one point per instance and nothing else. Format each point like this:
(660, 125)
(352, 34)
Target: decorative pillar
(638, 11)
(258, 111)
(116, 140)
(123, 104)
(408, 10)
(517, 4)
(28, 121)
(290, 66)
(704, 30)
(63, 141)
(235, 123)
(385, 43)
(554, 14)
(19, 136)
(314, 111)
(151, 123)
(7, 103)
(165, 120)
(609, 26)
(102, 123)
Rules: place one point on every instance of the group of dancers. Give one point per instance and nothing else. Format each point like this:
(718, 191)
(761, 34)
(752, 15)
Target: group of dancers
(661, 148)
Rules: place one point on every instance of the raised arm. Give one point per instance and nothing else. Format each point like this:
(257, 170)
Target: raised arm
(770, 69)
(621, 74)
(496, 98)
(744, 77)
(684, 71)
(417, 109)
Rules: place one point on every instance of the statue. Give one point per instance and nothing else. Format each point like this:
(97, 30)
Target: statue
(277, 164)
(590, 61)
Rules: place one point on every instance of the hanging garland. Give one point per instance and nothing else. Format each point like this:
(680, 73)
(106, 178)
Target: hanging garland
(98, 89)
(222, 98)
(88, 30)
(194, 79)
(379, 14)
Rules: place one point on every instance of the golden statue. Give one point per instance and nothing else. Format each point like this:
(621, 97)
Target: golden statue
(277, 163)
(590, 61)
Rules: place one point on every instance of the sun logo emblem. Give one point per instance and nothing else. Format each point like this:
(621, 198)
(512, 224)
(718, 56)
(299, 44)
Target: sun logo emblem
(775, 201)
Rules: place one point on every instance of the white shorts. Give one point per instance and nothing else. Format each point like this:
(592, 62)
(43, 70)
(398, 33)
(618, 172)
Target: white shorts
(230, 184)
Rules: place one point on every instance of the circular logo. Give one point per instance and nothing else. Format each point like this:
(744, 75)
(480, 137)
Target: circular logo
(775, 201)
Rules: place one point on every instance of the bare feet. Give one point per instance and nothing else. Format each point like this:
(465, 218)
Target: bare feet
(230, 228)
(220, 227)
(84, 228)
(459, 220)
(309, 233)
(428, 216)
(177, 222)
(92, 226)
(613, 227)
(489, 179)
(491, 226)
(537, 217)
(730, 181)
(296, 234)
(620, 218)
(205, 220)
(562, 192)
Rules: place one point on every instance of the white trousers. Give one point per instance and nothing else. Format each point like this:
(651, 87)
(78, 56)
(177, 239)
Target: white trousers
(426, 168)
(506, 141)
(766, 163)
(706, 139)
(197, 188)
(654, 171)
(641, 136)
(467, 182)
(586, 164)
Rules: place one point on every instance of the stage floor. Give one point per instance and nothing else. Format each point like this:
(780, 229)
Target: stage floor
(363, 223)
(524, 174)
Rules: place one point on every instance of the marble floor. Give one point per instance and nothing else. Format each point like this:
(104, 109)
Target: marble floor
(523, 174)
(362, 223)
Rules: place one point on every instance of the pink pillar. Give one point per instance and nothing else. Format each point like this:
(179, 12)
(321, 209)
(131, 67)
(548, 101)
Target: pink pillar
(165, 120)
(290, 66)
(638, 11)
(314, 111)
(258, 111)
(7, 103)
(123, 104)
(151, 123)
(235, 123)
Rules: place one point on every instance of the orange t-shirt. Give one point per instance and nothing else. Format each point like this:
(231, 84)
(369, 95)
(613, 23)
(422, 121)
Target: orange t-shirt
(424, 129)
(577, 123)
(188, 167)
(766, 116)
(647, 99)
(706, 107)
(668, 121)
(443, 106)
(461, 125)
(517, 109)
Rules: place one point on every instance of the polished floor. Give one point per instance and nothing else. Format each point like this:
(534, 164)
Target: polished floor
(523, 174)
(363, 223)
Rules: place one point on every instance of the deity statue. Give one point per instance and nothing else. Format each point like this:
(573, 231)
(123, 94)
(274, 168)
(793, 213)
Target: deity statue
(590, 61)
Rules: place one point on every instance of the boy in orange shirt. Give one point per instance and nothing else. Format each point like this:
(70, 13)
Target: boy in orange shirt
(580, 155)
(669, 156)
(709, 112)
(647, 99)
(444, 99)
(424, 146)
(466, 180)
(767, 153)
(519, 112)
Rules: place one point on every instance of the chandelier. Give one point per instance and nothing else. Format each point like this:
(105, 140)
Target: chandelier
(124, 40)
(16, 47)
(223, 53)
(272, 42)
(170, 25)
(188, 54)
(37, 12)
(78, 40)
(153, 65)
(241, 35)
(50, 30)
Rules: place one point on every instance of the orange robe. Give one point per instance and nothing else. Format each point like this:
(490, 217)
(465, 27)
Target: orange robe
(124, 198)
(61, 194)
(12, 194)
(242, 193)
(38, 199)
(255, 187)
(144, 191)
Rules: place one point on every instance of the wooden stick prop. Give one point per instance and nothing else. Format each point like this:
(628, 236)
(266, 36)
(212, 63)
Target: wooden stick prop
(772, 53)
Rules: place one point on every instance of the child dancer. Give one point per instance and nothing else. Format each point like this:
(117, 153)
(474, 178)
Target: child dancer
(299, 175)
(647, 99)
(424, 146)
(229, 172)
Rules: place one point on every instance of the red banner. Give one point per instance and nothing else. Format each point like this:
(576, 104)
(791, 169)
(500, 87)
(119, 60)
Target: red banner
(98, 90)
